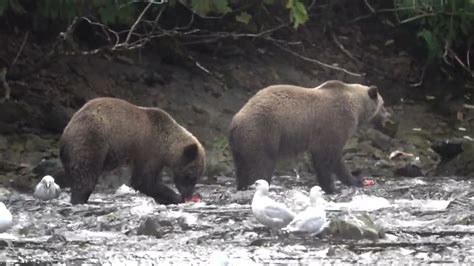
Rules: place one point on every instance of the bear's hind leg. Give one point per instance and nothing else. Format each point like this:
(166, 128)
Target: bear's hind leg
(252, 168)
(322, 167)
(343, 174)
(83, 162)
(83, 184)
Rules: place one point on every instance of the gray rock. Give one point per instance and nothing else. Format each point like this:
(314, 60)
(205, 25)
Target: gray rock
(4, 193)
(448, 148)
(465, 219)
(409, 170)
(155, 226)
(379, 140)
(390, 128)
(461, 165)
(350, 226)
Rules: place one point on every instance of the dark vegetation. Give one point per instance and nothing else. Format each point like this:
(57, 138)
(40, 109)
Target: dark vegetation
(439, 33)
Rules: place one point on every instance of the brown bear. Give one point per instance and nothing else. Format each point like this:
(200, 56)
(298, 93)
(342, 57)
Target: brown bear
(107, 132)
(282, 121)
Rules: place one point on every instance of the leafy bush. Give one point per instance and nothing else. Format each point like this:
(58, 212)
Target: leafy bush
(124, 11)
(108, 12)
(442, 24)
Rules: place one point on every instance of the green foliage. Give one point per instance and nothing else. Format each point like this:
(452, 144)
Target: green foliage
(243, 17)
(441, 23)
(220, 143)
(108, 12)
(298, 13)
(13, 4)
(125, 11)
(205, 7)
(434, 48)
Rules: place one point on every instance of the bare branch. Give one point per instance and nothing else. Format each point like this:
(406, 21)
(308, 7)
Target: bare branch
(318, 62)
(468, 58)
(422, 77)
(417, 17)
(3, 79)
(21, 48)
(335, 39)
(132, 29)
(372, 10)
(460, 62)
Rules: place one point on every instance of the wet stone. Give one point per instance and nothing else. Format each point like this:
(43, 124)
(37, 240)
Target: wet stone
(462, 220)
(356, 227)
(390, 128)
(4, 193)
(409, 170)
(461, 165)
(448, 148)
(155, 226)
(379, 140)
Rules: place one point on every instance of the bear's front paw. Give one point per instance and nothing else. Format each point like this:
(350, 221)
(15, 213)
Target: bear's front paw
(176, 199)
(330, 190)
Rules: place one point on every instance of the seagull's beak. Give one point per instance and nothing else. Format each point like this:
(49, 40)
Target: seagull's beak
(48, 185)
(253, 187)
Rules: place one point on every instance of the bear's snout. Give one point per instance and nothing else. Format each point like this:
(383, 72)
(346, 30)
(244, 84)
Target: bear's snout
(186, 190)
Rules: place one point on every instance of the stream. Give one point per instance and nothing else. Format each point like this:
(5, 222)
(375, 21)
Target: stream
(425, 221)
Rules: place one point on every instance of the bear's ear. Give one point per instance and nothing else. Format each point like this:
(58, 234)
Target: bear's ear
(373, 92)
(190, 152)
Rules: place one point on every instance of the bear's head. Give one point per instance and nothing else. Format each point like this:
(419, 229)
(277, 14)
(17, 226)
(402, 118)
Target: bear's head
(191, 167)
(373, 106)
(380, 114)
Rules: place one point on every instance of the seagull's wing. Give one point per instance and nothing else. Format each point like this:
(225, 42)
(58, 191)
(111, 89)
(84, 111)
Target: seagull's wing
(57, 190)
(278, 212)
(311, 220)
(38, 190)
(314, 225)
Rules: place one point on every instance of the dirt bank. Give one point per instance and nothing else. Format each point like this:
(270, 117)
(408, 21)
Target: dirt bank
(204, 92)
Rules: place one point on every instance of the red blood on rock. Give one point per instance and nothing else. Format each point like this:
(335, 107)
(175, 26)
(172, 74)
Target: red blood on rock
(193, 198)
(368, 182)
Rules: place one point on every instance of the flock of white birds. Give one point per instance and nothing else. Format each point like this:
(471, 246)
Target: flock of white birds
(267, 211)
(45, 190)
(276, 215)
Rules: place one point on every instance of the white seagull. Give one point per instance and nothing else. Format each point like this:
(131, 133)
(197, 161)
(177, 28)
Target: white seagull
(268, 212)
(313, 219)
(47, 189)
(6, 219)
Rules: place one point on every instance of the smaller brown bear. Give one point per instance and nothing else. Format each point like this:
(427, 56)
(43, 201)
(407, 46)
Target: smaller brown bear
(282, 121)
(107, 133)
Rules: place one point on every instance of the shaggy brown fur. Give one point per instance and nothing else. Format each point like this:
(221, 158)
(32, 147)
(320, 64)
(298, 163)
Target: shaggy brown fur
(282, 121)
(107, 132)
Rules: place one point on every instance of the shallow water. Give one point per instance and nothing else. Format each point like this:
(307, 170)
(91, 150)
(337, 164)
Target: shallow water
(425, 221)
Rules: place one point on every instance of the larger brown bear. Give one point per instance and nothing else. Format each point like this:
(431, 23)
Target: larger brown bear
(107, 132)
(282, 121)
